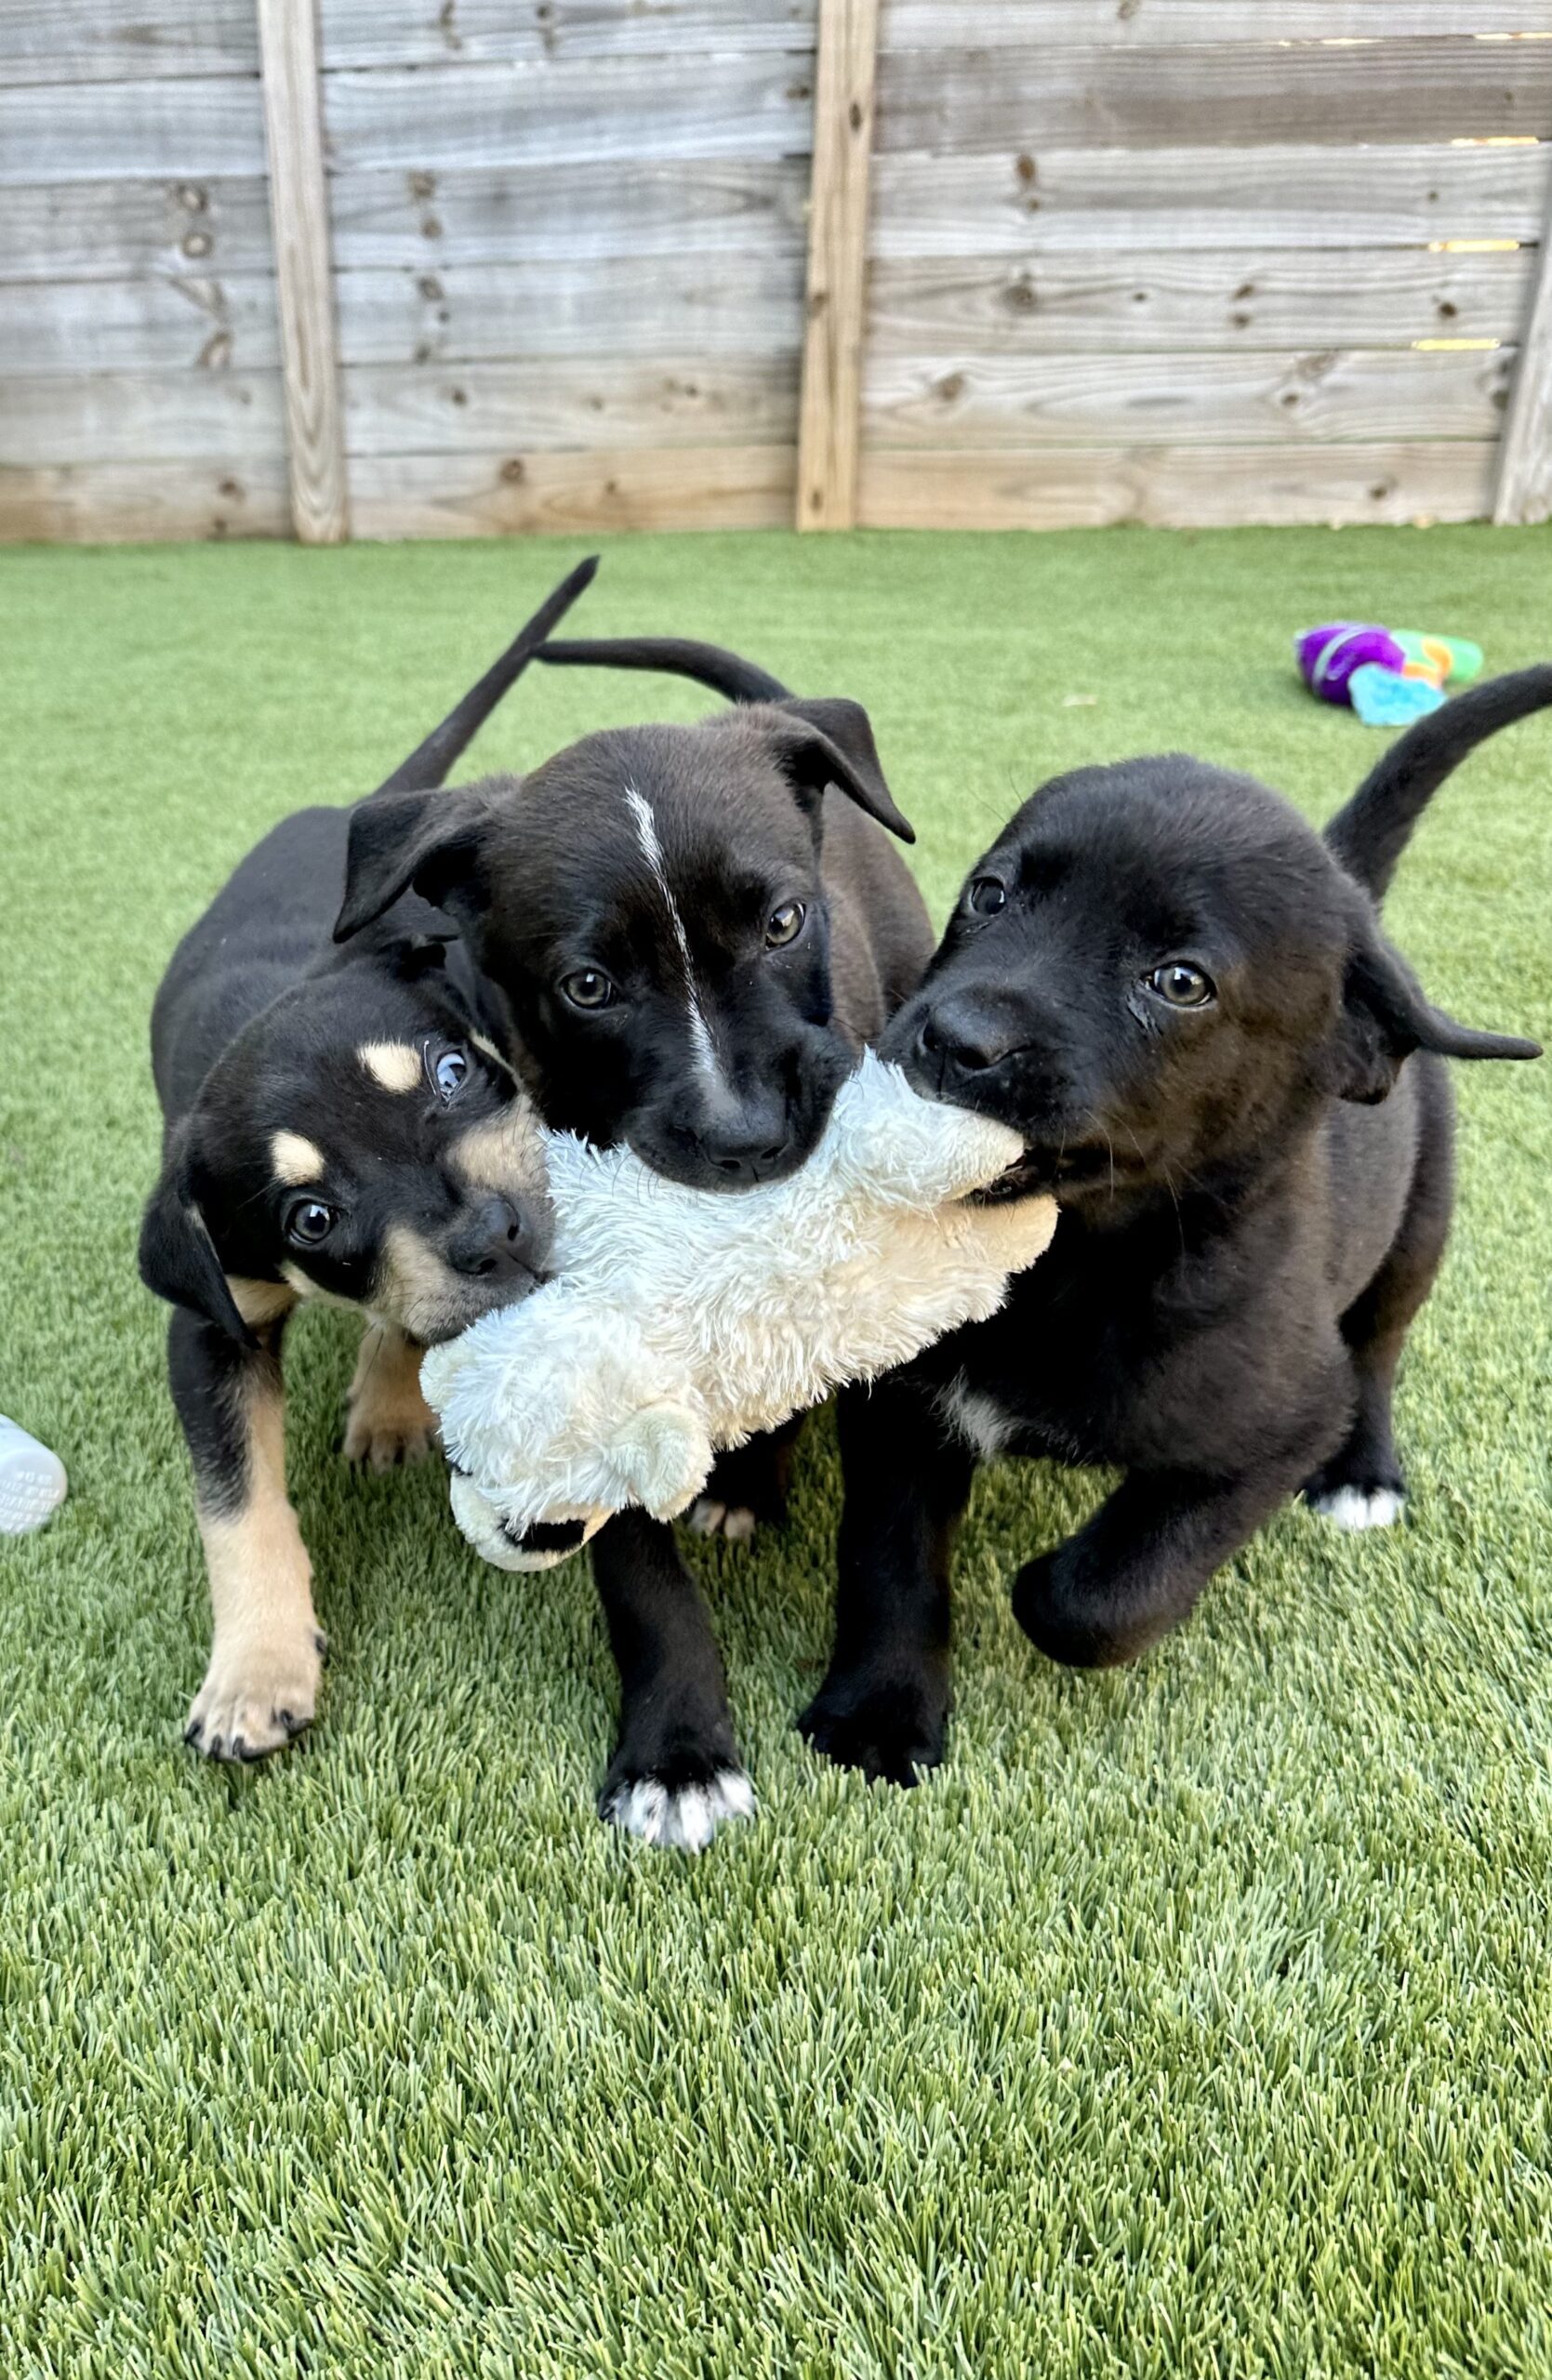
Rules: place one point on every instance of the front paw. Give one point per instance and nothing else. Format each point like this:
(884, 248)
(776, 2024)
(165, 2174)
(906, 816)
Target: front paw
(893, 1728)
(388, 1420)
(1067, 1625)
(677, 1802)
(256, 1696)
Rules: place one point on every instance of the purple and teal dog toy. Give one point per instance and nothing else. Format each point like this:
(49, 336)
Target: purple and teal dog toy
(1387, 678)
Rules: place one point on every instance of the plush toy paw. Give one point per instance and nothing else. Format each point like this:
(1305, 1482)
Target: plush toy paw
(679, 1805)
(893, 1729)
(258, 1694)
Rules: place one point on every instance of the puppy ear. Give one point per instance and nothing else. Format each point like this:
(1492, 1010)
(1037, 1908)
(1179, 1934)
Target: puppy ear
(430, 840)
(821, 744)
(178, 1260)
(1385, 1016)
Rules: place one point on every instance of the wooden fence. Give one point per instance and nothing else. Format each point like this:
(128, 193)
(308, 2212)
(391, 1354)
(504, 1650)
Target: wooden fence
(464, 267)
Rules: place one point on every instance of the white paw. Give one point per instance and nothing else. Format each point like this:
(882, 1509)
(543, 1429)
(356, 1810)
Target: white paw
(682, 1819)
(736, 1522)
(1360, 1507)
(256, 1697)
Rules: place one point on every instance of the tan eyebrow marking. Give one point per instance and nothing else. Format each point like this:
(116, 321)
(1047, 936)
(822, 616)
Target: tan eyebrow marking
(396, 1064)
(296, 1159)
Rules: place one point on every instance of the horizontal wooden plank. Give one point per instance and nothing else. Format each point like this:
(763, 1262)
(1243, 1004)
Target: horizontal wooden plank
(105, 503)
(423, 32)
(1025, 401)
(1162, 298)
(477, 408)
(142, 416)
(437, 495)
(108, 230)
(1225, 95)
(1272, 197)
(722, 307)
(98, 41)
(601, 112)
(1152, 24)
(109, 131)
(518, 214)
(143, 325)
(1089, 487)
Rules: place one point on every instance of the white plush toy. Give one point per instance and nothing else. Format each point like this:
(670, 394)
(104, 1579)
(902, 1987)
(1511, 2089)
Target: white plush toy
(679, 1322)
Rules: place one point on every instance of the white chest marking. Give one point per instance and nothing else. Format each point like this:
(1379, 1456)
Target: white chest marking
(652, 852)
(978, 1420)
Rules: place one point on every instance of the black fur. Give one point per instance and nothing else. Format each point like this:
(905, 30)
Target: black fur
(1255, 1194)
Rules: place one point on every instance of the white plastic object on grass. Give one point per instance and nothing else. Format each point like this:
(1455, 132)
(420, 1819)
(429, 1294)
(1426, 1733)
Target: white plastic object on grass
(32, 1481)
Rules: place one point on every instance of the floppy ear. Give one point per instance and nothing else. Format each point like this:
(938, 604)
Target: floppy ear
(821, 744)
(177, 1256)
(430, 840)
(1385, 1016)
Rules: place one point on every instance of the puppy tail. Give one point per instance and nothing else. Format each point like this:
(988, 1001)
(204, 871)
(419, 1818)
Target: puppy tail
(1369, 834)
(429, 763)
(673, 656)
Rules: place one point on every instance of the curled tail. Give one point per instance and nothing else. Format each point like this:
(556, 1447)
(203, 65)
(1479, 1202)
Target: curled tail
(1368, 833)
(674, 657)
(429, 763)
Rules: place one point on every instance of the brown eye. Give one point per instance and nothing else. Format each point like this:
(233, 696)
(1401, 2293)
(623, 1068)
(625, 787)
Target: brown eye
(987, 895)
(784, 924)
(309, 1221)
(1179, 985)
(589, 988)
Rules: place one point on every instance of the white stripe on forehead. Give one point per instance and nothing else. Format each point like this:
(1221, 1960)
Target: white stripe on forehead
(652, 852)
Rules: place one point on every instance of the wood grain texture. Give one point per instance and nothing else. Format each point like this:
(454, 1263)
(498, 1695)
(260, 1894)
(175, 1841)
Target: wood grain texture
(723, 308)
(598, 110)
(1152, 24)
(1162, 299)
(103, 503)
(110, 230)
(111, 131)
(537, 214)
(1225, 95)
(1270, 196)
(1019, 402)
(524, 493)
(425, 32)
(147, 324)
(1524, 489)
(828, 405)
(479, 409)
(103, 41)
(142, 416)
(299, 211)
(1080, 488)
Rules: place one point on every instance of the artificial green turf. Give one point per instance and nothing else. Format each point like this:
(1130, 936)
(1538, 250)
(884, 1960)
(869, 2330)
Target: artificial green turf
(1193, 2020)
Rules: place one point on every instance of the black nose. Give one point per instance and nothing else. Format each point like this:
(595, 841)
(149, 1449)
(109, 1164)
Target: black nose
(743, 1156)
(489, 1241)
(962, 1036)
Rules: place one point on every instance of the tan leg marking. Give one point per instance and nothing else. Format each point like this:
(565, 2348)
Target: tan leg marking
(259, 1303)
(296, 1159)
(389, 1422)
(396, 1064)
(262, 1686)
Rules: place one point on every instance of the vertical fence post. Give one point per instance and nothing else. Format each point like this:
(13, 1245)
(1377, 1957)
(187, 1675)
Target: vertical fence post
(299, 217)
(1525, 455)
(829, 414)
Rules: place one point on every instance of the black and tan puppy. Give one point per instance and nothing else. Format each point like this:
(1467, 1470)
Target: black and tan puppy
(1180, 996)
(690, 933)
(338, 1127)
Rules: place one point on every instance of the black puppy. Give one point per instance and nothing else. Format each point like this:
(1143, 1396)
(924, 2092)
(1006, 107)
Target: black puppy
(1181, 997)
(691, 931)
(336, 1126)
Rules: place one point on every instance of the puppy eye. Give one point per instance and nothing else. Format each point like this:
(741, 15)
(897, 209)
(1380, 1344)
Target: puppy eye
(785, 924)
(309, 1221)
(450, 1072)
(589, 988)
(987, 895)
(1179, 985)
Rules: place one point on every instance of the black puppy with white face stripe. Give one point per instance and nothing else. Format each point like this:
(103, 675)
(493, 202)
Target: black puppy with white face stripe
(690, 934)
